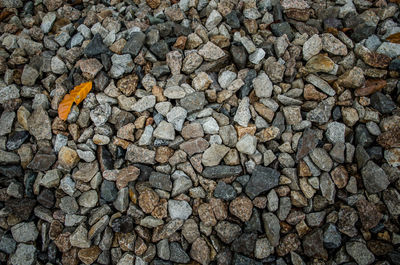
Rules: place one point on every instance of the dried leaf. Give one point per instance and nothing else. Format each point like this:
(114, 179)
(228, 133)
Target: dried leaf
(77, 95)
(395, 38)
(80, 92)
(65, 107)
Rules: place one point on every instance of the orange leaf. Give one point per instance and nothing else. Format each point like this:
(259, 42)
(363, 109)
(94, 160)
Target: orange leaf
(395, 38)
(80, 92)
(77, 95)
(65, 107)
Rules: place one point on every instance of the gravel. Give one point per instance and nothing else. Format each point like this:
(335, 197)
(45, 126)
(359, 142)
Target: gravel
(215, 132)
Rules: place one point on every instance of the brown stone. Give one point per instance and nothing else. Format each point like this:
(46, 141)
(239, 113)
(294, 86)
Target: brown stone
(242, 131)
(390, 138)
(56, 228)
(311, 93)
(320, 63)
(206, 214)
(241, 207)
(161, 210)
(128, 84)
(126, 241)
(180, 42)
(192, 130)
(289, 243)
(340, 176)
(62, 242)
(153, 3)
(194, 146)
(264, 111)
(369, 214)
(313, 245)
(148, 199)
(89, 255)
(379, 248)
(140, 246)
(260, 202)
(159, 93)
(298, 199)
(200, 251)
(127, 132)
(303, 169)
(68, 158)
(163, 153)
(268, 134)
(375, 59)
(298, 14)
(219, 208)
(70, 257)
(220, 40)
(127, 175)
(370, 87)
(90, 68)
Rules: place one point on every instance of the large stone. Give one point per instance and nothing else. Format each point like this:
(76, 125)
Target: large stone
(374, 178)
(262, 179)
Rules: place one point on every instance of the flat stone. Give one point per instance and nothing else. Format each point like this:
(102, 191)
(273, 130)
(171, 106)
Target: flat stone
(262, 179)
(374, 178)
(222, 171)
(360, 253)
(24, 232)
(214, 154)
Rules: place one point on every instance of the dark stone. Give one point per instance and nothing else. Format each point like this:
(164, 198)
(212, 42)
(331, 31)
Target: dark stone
(262, 179)
(332, 23)
(160, 69)
(243, 260)
(279, 29)
(52, 252)
(180, 30)
(160, 262)
(379, 248)
(362, 31)
(96, 47)
(108, 191)
(362, 136)
(221, 171)
(124, 224)
(22, 208)
(337, 113)
(16, 139)
(239, 55)
(193, 101)
(332, 237)
(245, 244)
(394, 257)
(375, 152)
(105, 158)
(106, 61)
(165, 29)
(46, 198)
(160, 49)
(160, 181)
(177, 254)
(7, 244)
(225, 191)
(307, 143)
(145, 172)
(29, 181)
(135, 43)
(232, 19)
(243, 179)
(254, 224)
(11, 171)
(42, 162)
(248, 83)
(395, 65)
(313, 245)
(382, 103)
